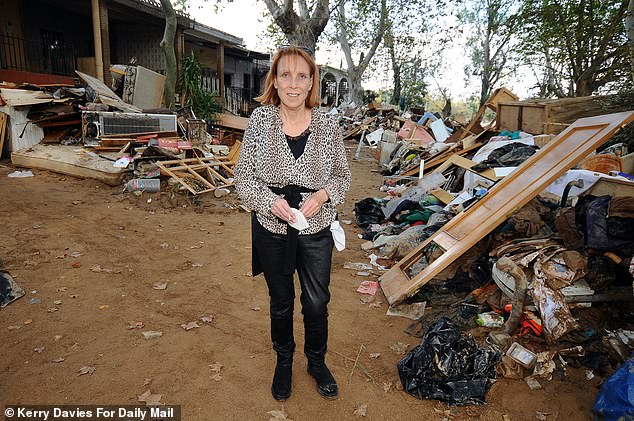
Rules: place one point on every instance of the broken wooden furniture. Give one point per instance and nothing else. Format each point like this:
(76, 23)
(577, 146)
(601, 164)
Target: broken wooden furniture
(197, 175)
(230, 128)
(551, 116)
(475, 127)
(503, 199)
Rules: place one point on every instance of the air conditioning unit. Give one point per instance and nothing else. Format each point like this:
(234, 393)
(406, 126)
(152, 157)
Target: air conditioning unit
(99, 123)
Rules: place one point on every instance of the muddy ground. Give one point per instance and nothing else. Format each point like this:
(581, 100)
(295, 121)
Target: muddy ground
(98, 252)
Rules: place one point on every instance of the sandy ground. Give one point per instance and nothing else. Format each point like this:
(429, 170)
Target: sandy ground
(97, 252)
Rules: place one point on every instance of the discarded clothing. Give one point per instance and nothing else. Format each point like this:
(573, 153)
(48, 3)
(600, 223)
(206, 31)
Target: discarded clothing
(511, 155)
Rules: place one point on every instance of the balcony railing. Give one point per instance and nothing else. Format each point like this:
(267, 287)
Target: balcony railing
(238, 101)
(35, 56)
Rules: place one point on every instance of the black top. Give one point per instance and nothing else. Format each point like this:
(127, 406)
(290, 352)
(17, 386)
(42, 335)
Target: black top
(297, 144)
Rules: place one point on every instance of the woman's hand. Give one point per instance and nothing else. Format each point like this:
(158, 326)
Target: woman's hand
(282, 210)
(312, 205)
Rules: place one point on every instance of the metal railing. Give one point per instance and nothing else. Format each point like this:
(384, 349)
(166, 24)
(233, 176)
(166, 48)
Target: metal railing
(238, 101)
(33, 55)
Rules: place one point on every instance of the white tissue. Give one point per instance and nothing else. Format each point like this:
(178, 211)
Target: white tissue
(338, 235)
(300, 220)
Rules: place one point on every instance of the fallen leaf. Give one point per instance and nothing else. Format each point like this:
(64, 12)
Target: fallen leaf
(207, 319)
(76, 265)
(360, 410)
(387, 386)
(135, 325)
(375, 354)
(86, 370)
(28, 321)
(256, 308)
(151, 334)
(59, 360)
(39, 349)
(366, 299)
(160, 285)
(149, 398)
(279, 415)
(190, 325)
(399, 348)
(215, 367)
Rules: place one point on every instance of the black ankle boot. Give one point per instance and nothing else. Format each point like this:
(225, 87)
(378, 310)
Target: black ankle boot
(284, 345)
(326, 383)
(315, 347)
(282, 379)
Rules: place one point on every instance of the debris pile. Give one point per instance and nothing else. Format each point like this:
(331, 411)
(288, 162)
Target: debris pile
(119, 138)
(521, 239)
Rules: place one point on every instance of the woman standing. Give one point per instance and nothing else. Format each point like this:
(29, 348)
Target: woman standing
(292, 166)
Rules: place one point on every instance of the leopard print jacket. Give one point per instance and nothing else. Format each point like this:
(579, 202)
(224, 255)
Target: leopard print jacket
(266, 160)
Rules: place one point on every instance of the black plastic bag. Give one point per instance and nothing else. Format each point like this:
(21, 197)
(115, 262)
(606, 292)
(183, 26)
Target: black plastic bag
(368, 211)
(448, 366)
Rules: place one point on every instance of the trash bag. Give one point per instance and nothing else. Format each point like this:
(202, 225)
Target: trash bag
(448, 366)
(615, 400)
(368, 211)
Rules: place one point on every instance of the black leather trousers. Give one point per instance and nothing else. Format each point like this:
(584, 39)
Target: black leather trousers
(313, 264)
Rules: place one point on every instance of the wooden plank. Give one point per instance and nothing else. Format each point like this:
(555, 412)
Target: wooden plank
(23, 97)
(233, 122)
(503, 199)
(3, 130)
(64, 160)
(466, 164)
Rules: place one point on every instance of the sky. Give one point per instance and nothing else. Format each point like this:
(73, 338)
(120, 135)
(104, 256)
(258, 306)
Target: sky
(244, 18)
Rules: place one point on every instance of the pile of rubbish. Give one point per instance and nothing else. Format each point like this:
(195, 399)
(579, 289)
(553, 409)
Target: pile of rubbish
(547, 287)
(121, 136)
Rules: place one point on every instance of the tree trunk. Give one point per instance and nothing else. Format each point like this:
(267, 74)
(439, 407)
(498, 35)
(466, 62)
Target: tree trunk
(167, 44)
(356, 90)
(396, 68)
(629, 29)
(301, 29)
(355, 72)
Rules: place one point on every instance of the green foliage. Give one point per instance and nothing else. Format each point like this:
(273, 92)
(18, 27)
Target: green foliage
(203, 102)
(491, 26)
(580, 45)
